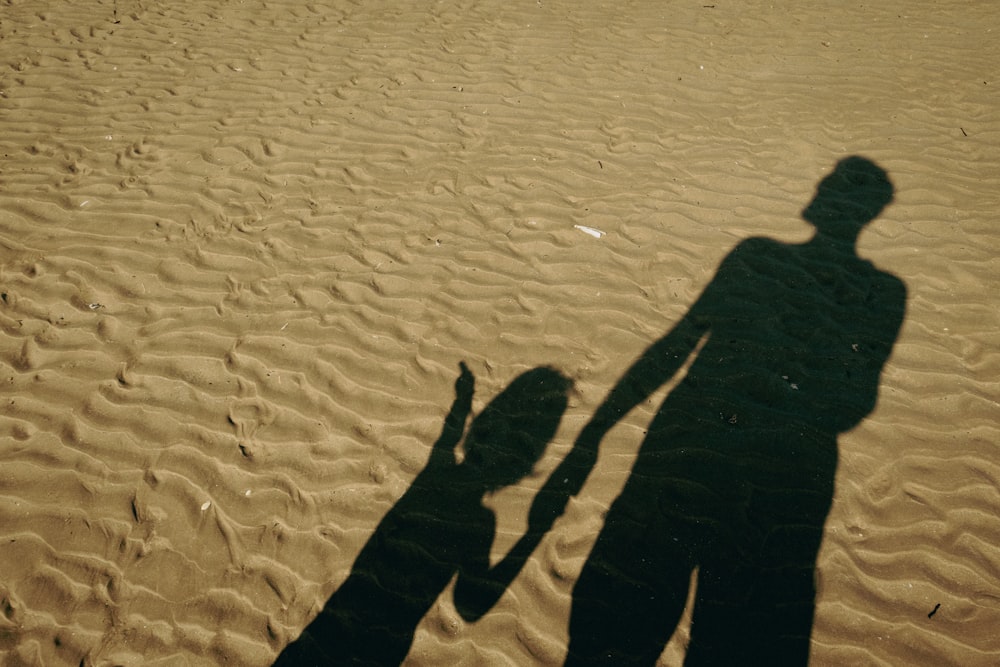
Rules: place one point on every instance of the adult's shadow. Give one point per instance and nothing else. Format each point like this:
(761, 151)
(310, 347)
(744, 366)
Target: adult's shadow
(440, 528)
(734, 479)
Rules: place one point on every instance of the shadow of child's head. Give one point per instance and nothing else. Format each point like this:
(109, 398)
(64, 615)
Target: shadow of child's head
(509, 436)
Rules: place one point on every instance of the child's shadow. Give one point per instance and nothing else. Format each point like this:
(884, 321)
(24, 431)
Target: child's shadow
(440, 527)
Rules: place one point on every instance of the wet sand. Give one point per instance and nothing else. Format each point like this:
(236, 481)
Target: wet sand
(245, 245)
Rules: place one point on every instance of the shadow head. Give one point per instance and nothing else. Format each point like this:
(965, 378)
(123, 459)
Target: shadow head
(849, 198)
(509, 436)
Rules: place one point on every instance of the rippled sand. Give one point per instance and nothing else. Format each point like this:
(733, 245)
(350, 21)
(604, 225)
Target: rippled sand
(245, 245)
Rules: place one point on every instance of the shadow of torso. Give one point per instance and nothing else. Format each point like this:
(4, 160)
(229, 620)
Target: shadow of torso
(735, 476)
(794, 343)
(420, 544)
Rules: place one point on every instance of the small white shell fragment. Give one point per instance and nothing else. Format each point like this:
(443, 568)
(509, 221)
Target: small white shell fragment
(247, 493)
(205, 505)
(596, 233)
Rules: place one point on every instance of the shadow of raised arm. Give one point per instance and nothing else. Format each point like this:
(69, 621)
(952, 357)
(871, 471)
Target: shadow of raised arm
(443, 450)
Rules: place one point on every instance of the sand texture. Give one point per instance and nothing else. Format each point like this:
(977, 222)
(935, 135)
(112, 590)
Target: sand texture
(245, 245)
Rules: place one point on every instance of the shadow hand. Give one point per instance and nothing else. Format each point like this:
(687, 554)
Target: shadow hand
(466, 382)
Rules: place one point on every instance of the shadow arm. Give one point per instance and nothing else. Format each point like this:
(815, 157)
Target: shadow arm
(657, 365)
(454, 422)
(479, 586)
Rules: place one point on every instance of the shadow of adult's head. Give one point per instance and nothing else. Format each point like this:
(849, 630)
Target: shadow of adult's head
(849, 198)
(734, 478)
(438, 528)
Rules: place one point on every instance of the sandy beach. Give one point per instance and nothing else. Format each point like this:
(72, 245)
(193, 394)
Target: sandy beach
(245, 246)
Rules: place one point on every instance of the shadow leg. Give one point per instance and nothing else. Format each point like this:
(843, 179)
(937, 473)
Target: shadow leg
(756, 614)
(629, 597)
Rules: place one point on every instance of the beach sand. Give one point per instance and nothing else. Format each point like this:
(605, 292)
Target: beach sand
(245, 245)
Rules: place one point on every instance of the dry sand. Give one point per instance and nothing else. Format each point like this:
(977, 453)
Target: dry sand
(244, 246)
